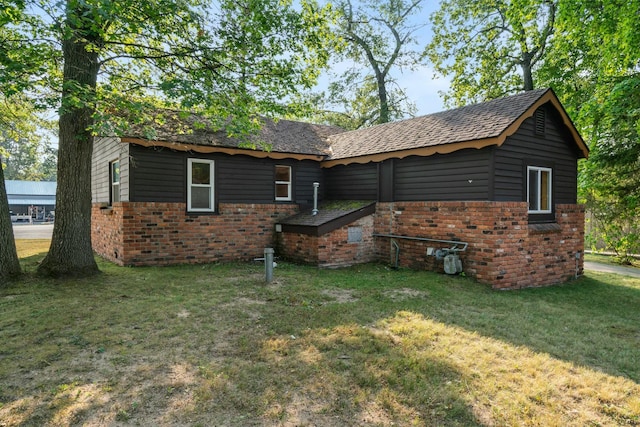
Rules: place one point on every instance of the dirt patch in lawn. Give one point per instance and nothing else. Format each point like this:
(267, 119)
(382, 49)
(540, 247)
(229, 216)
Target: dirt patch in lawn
(340, 296)
(405, 293)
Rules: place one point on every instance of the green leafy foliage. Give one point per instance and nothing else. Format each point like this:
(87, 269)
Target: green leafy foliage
(377, 39)
(95, 59)
(490, 48)
(589, 53)
(595, 65)
(353, 103)
(26, 151)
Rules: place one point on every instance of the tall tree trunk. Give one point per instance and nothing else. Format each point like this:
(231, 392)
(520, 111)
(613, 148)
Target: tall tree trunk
(9, 263)
(71, 253)
(384, 102)
(527, 74)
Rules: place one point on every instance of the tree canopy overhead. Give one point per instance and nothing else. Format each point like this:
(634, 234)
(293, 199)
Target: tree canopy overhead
(596, 66)
(224, 58)
(490, 48)
(92, 59)
(378, 39)
(24, 145)
(589, 52)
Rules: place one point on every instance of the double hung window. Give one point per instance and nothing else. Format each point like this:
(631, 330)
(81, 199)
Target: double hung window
(200, 180)
(283, 183)
(114, 182)
(539, 187)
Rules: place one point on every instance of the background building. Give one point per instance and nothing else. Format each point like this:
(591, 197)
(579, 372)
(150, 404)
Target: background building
(35, 198)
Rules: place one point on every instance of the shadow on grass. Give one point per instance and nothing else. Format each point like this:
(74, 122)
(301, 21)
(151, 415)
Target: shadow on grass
(594, 321)
(30, 264)
(590, 322)
(202, 345)
(318, 379)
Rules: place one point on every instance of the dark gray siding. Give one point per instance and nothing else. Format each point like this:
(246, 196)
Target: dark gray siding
(106, 150)
(386, 180)
(491, 173)
(461, 175)
(352, 182)
(160, 175)
(157, 175)
(553, 149)
(305, 174)
(242, 179)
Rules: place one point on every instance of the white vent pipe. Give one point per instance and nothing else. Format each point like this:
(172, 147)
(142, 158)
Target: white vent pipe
(315, 198)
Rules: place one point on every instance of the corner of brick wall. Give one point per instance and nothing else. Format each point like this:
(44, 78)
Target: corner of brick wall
(107, 232)
(503, 251)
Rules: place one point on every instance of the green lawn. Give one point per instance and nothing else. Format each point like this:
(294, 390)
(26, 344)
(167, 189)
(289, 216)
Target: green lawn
(609, 259)
(366, 346)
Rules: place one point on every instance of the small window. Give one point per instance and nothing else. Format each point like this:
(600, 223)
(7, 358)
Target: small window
(539, 185)
(200, 185)
(283, 183)
(114, 179)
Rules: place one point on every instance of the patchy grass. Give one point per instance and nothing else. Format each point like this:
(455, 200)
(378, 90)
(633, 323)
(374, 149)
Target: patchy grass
(214, 345)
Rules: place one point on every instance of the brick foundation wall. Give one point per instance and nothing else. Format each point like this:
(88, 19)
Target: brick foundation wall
(137, 233)
(504, 249)
(332, 249)
(107, 232)
(297, 247)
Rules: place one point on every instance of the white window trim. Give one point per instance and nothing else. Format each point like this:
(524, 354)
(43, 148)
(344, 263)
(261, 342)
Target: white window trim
(549, 188)
(113, 184)
(210, 185)
(288, 183)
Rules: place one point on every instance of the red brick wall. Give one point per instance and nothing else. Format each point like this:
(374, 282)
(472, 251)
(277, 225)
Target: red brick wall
(504, 250)
(330, 250)
(298, 247)
(137, 233)
(107, 232)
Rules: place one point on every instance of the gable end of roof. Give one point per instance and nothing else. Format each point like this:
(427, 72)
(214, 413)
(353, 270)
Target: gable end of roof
(479, 126)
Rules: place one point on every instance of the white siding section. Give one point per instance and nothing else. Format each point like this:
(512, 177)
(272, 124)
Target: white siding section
(105, 150)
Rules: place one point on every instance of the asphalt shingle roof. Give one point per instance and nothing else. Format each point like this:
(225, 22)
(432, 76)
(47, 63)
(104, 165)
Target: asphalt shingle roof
(327, 212)
(480, 121)
(283, 136)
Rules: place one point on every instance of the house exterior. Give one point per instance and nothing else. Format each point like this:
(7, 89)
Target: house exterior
(500, 177)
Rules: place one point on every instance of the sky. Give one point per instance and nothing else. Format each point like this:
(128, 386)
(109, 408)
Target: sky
(421, 85)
